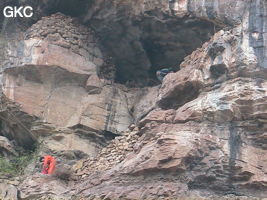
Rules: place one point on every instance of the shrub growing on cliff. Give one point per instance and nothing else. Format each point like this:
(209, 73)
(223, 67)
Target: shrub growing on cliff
(6, 168)
(15, 166)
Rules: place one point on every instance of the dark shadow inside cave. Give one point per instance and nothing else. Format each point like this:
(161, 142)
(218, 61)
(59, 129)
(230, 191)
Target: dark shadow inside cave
(140, 47)
(167, 43)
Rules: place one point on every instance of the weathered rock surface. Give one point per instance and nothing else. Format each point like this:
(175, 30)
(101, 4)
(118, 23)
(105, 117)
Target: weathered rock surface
(6, 147)
(201, 134)
(35, 187)
(8, 192)
(206, 129)
(52, 74)
(15, 124)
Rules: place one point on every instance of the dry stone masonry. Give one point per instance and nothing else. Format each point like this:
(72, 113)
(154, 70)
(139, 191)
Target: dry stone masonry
(201, 134)
(114, 153)
(66, 32)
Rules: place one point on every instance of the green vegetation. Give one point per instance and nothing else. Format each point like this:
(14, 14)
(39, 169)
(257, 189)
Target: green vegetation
(6, 167)
(15, 166)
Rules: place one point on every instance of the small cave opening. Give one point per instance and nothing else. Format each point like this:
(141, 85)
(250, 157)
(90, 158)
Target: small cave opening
(218, 70)
(109, 135)
(167, 43)
(139, 48)
(102, 138)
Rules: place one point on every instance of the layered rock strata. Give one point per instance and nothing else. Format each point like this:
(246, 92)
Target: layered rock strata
(200, 134)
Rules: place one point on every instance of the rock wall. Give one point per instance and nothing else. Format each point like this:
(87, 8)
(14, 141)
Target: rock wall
(200, 134)
(209, 117)
(53, 74)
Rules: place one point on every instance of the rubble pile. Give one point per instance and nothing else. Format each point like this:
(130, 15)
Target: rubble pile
(110, 155)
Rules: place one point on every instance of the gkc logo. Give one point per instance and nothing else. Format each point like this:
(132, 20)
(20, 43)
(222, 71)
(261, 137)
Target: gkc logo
(15, 11)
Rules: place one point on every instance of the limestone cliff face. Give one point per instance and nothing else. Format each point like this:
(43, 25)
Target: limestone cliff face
(87, 86)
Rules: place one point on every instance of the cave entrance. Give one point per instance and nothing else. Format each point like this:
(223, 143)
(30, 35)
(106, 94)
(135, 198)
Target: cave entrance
(139, 48)
(167, 43)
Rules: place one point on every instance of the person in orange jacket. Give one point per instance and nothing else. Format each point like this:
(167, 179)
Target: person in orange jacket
(49, 164)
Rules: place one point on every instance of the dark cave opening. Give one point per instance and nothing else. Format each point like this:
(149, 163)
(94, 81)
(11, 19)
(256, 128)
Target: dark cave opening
(167, 44)
(139, 48)
(218, 70)
(95, 136)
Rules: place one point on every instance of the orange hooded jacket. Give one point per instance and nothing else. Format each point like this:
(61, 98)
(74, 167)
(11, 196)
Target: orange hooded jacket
(49, 165)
